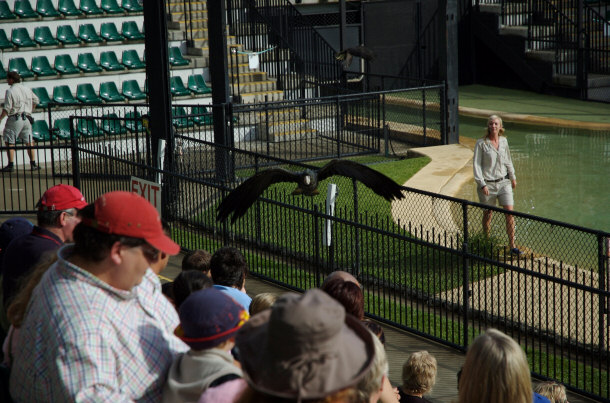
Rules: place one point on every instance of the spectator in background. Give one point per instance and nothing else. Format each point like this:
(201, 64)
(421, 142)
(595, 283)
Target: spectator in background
(305, 348)
(229, 269)
(57, 217)
(186, 283)
(553, 391)
(418, 377)
(495, 371)
(86, 335)
(345, 276)
(347, 293)
(199, 260)
(262, 301)
(209, 320)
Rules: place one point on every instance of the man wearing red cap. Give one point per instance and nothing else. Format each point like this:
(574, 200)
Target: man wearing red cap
(56, 218)
(87, 336)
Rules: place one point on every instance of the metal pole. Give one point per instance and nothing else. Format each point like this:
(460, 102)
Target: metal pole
(465, 280)
(448, 66)
(75, 160)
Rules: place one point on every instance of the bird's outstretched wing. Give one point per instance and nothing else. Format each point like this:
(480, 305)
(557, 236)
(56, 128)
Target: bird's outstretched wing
(239, 200)
(363, 52)
(376, 181)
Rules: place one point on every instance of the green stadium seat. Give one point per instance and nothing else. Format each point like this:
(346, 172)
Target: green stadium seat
(4, 41)
(65, 34)
(2, 72)
(41, 67)
(133, 122)
(89, 7)
(176, 58)
(179, 119)
(109, 32)
(43, 96)
(46, 9)
(110, 93)
(131, 31)
(202, 115)
(68, 8)
(19, 65)
(23, 9)
(197, 84)
(111, 7)
(63, 95)
(61, 128)
(111, 124)
(109, 61)
(86, 94)
(177, 88)
(40, 131)
(132, 6)
(131, 90)
(131, 60)
(21, 38)
(5, 12)
(87, 128)
(44, 37)
(87, 34)
(86, 62)
(64, 65)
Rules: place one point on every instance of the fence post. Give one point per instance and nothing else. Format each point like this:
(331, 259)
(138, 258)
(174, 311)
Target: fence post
(465, 268)
(356, 269)
(603, 264)
(423, 98)
(75, 161)
(316, 247)
(338, 125)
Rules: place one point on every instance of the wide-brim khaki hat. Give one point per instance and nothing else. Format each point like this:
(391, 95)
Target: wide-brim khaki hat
(305, 347)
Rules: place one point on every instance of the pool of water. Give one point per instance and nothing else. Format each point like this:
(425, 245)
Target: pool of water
(562, 173)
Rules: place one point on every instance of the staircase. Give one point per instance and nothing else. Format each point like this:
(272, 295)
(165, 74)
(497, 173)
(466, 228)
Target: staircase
(539, 41)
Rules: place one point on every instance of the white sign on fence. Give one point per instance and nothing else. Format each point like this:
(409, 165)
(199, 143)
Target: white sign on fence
(151, 191)
(331, 196)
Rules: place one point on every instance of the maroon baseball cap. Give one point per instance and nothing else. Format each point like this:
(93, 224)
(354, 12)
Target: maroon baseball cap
(128, 214)
(62, 197)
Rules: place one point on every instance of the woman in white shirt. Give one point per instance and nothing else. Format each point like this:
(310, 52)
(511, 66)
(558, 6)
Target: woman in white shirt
(494, 174)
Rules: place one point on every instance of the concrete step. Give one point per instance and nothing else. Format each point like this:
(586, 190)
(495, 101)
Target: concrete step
(278, 115)
(248, 77)
(286, 135)
(194, 15)
(194, 6)
(255, 86)
(258, 97)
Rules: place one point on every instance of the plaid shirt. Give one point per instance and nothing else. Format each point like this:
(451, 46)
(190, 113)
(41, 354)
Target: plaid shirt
(83, 340)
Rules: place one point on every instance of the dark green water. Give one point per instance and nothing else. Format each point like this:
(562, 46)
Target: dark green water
(562, 173)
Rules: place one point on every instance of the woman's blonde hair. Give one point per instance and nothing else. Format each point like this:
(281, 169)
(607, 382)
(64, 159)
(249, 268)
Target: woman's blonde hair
(495, 371)
(373, 380)
(494, 117)
(419, 373)
(556, 392)
(262, 301)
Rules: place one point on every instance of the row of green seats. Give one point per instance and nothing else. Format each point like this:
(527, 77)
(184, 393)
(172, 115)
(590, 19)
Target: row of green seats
(41, 67)
(85, 93)
(65, 35)
(200, 116)
(86, 127)
(67, 8)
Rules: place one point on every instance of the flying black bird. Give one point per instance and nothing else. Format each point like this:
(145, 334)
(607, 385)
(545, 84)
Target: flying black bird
(359, 51)
(242, 197)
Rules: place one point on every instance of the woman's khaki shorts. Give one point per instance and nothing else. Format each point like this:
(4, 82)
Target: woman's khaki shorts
(501, 191)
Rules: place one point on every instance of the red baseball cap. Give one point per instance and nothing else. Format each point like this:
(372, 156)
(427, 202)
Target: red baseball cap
(129, 214)
(62, 197)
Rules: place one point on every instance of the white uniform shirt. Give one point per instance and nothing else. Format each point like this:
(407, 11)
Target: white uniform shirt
(490, 164)
(19, 99)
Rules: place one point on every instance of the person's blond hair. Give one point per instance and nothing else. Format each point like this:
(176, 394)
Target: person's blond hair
(556, 392)
(261, 302)
(373, 380)
(489, 119)
(495, 371)
(419, 373)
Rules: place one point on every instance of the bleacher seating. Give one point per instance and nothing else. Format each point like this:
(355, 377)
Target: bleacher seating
(46, 9)
(68, 8)
(89, 7)
(85, 93)
(131, 90)
(21, 38)
(41, 67)
(23, 9)
(131, 60)
(65, 35)
(132, 6)
(43, 96)
(86, 62)
(62, 128)
(177, 88)
(44, 37)
(87, 128)
(109, 61)
(179, 118)
(130, 31)
(176, 58)
(202, 116)
(133, 122)
(5, 43)
(197, 85)
(19, 65)
(110, 93)
(5, 12)
(40, 131)
(87, 34)
(63, 95)
(64, 64)
(2, 71)
(111, 7)
(109, 32)
(112, 125)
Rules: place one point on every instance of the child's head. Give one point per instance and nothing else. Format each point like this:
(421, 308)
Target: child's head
(419, 373)
(209, 318)
(261, 302)
(556, 392)
(186, 283)
(197, 259)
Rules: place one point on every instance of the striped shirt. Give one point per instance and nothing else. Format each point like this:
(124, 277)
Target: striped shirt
(83, 340)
